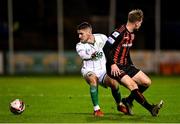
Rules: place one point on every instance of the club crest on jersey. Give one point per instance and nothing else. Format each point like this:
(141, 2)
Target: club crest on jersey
(115, 34)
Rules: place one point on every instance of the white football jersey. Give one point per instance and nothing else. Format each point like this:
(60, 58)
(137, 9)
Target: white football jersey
(85, 50)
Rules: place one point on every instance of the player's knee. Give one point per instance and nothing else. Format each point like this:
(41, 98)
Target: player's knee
(93, 80)
(113, 84)
(147, 82)
(133, 86)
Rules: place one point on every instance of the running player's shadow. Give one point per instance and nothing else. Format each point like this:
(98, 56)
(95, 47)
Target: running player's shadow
(106, 117)
(91, 118)
(114, 117)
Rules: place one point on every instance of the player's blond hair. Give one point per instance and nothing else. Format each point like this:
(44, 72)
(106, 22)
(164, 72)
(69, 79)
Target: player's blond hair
(135, 15)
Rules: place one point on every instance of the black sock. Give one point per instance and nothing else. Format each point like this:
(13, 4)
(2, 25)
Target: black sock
(141, 89)
(116, 94)
(141, 99)
(130, 98)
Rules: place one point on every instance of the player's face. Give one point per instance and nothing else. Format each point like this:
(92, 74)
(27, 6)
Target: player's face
(84, 34)
(138, 24)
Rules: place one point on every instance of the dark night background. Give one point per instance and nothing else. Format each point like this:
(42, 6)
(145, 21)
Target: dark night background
(37, 20)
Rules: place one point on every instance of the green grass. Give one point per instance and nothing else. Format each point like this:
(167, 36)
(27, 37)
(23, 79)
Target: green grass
(67, 100)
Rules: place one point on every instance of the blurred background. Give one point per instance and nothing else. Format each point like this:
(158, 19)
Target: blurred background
(39, 36)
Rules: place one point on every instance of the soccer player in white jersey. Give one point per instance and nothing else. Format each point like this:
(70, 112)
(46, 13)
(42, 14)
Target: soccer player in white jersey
(94, 66)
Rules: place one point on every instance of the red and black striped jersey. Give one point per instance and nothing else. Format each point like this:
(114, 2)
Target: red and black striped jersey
(117, 48)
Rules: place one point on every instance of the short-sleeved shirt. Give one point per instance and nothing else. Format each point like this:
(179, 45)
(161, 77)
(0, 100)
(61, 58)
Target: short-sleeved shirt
(96, 65)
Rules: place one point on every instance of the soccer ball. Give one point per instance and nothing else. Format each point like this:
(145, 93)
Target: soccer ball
(17, 106)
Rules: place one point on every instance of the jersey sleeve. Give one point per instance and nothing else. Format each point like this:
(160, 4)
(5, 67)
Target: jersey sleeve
(100, 39)
(104, 39)
(108, 47)
(82, 52)
(106, 50)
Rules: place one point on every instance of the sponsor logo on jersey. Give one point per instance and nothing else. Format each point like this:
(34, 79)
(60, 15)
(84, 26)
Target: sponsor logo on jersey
(127, 45)
(115, 34)
(111, 40)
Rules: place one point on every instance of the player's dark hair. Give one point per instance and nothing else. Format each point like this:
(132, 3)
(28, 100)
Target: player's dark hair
(135, 15)
(84, 25)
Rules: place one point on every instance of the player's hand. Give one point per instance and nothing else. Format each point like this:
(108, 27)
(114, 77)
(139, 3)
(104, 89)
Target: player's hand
(115, 71)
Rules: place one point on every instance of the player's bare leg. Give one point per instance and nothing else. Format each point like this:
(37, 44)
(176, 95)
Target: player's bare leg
(143, 82)
(92, 80)
(113, 84)
(138, 96)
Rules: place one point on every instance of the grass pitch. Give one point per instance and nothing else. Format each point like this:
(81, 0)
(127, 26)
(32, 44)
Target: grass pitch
(67, 100)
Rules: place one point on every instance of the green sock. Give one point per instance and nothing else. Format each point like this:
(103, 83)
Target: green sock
(94, 94)
(116, 94)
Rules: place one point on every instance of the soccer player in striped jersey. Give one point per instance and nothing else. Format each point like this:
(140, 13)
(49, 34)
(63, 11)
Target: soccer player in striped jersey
(94, 66)
(120, 66)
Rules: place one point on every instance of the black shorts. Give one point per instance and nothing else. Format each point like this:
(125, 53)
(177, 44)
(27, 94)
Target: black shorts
(129, 70)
